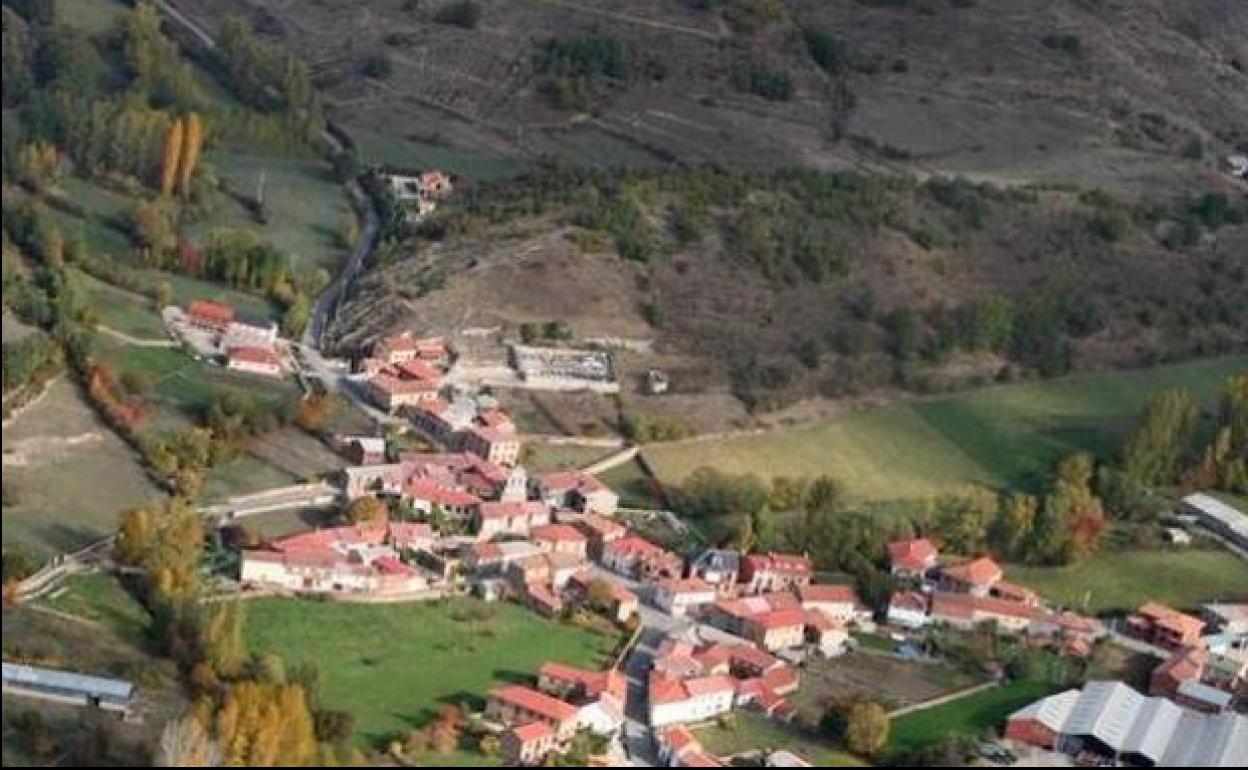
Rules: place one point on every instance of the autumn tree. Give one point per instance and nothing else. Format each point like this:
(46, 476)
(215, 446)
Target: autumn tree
(366, 510)
(192, 141)
(265, 725)
(867, 730)
(223, 645)
(173, 151)
(185, 743)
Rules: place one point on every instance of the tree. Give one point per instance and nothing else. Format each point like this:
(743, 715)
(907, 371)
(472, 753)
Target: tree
(192, 141)
(1014, 522)
(366, 510)
(173, 151)
(601, 595)
(265, 725)
(185, 743)
(1153, 450)
(297, 316)
(224, 648)
(867, 730)
(963, 520)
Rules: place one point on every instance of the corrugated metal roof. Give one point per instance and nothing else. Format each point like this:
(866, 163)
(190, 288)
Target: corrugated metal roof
(96, 686)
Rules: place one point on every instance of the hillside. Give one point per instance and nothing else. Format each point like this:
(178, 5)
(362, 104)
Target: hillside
(1118, 94)
(784, 286)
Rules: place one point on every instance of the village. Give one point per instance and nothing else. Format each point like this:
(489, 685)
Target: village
(709, 634)
(724, 630)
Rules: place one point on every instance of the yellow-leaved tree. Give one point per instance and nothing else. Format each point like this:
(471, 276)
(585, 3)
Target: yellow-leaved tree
(173, 151)
(192, 141)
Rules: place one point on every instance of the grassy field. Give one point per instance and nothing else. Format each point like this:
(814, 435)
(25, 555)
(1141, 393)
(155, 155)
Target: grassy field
(1006, 435)
(1121, 580)
(122, 310)
(972, 715)
(98, 597)
(540, 456)
(390, 149)
(90, 16)
(634, 486)
(749, 731)
(303, 200)
(66, 476)
(393, 665)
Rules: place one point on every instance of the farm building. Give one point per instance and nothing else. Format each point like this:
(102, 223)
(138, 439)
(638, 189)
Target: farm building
(68, 687)
(1110, 722)
(1218, 517)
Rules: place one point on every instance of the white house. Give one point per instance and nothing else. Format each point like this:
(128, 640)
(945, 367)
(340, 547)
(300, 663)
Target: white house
(677, 597)
(674, 701)
(907, 609)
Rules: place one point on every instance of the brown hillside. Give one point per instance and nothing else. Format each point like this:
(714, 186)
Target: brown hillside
(1107, 92)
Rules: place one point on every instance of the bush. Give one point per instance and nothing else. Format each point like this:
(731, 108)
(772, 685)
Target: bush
(1062, 41)
(377, 67)
(462, 13)
(763, 80)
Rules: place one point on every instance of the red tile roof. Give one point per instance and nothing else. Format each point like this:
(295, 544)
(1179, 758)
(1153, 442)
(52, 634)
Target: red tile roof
(557, 533)
(779, 562)
(914, 554)
(499, 510)
(213, 312)
(536, 702)
(978, 572)
(774, 619)
(432, 492)
(828, 594)
(908, 600)
(394, 386)
(253, 355)
(418, 370)
(533, 731)
(1164, 616)
(567, 481)
(633, 545)
(686, 586)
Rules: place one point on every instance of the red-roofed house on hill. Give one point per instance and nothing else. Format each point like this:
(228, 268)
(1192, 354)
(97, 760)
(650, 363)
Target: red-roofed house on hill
(209, 316)
(912, 557)
(559, 538)
(519, 705)
(764, 572)
(839, 602)
(254, 360)
(637, 558)
(493, 519)
(577, 490)
(600, 530)
(1163, 627)
(776, 629)
(404, 347)
(676, 701)
(976, 577)
(391, 393)
(528, 744)
(679, 597)
(496, 445)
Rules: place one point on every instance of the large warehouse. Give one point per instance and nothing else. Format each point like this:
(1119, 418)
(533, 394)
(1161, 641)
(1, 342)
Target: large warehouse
(1110, 722)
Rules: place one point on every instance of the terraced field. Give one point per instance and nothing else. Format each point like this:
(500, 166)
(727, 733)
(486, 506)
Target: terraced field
(1006, 435)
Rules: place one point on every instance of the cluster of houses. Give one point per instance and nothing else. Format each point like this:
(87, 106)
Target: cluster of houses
(1206, 658)
(971, 593)
(419, 194)
(214, 330)
(406, 375)
(541, 720)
